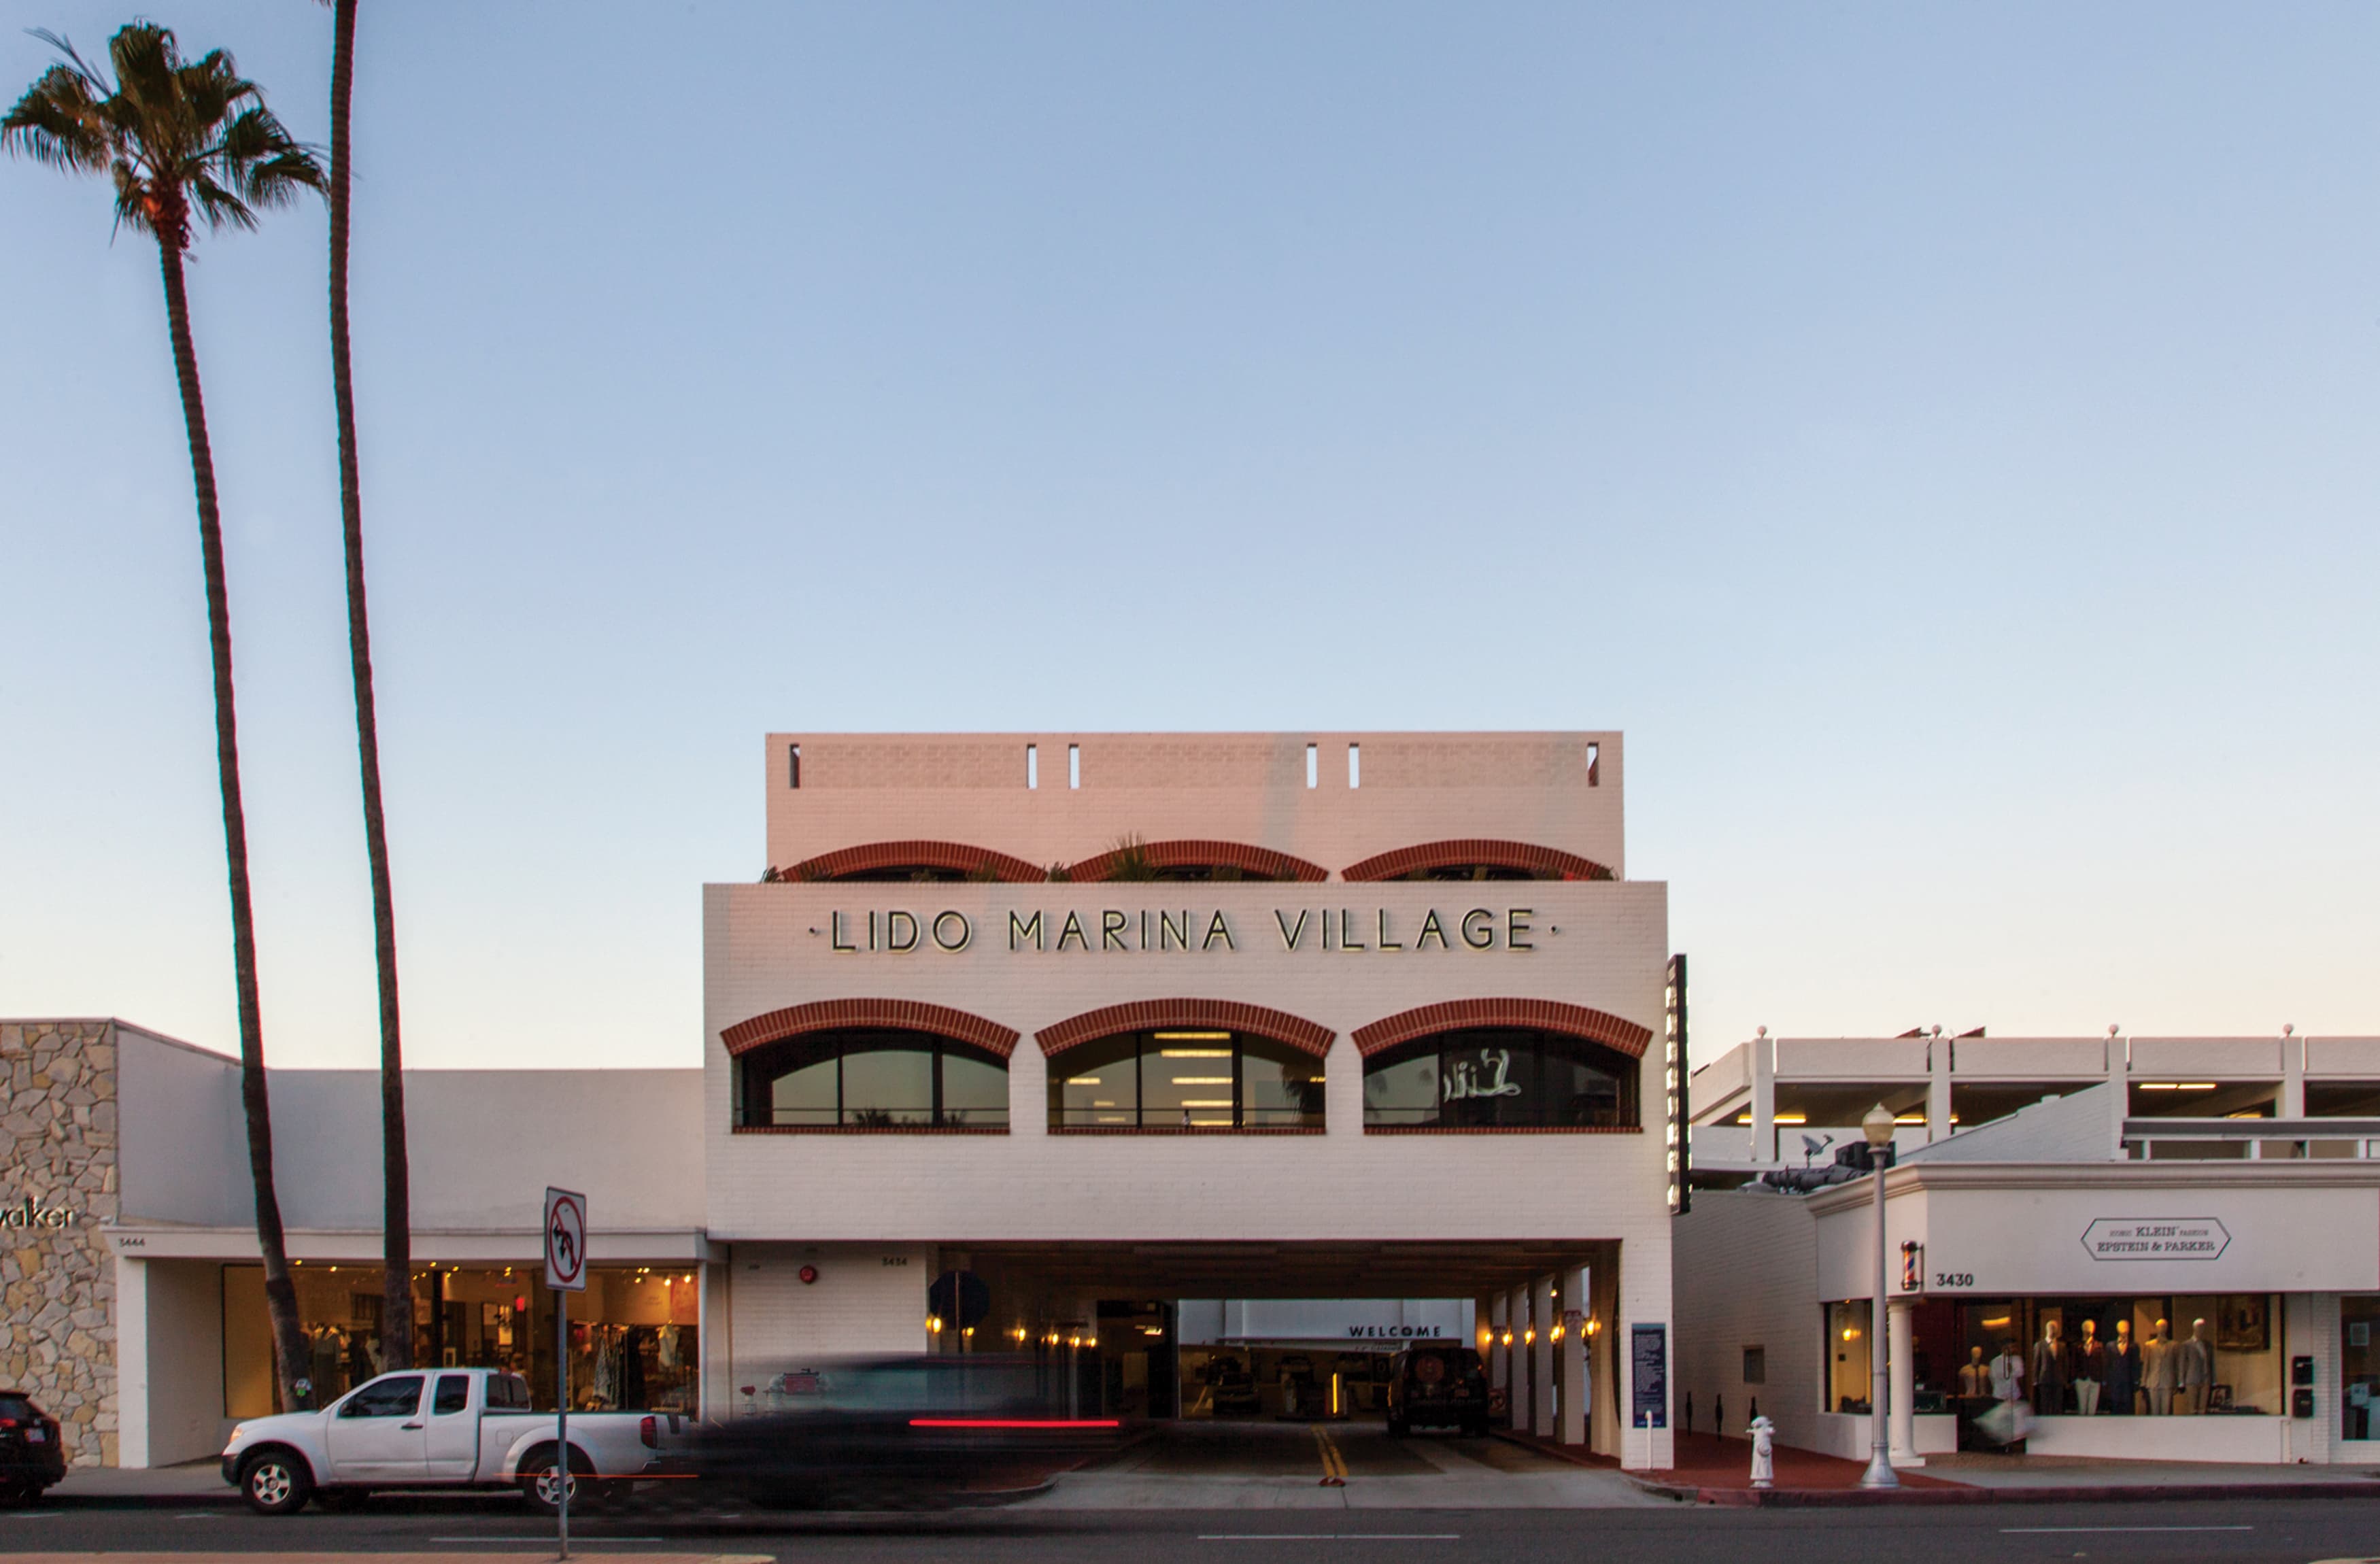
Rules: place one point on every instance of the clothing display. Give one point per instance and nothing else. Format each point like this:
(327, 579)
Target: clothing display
(2045, 1368)
(2090, 1370)
(2160, 1371)
(2194, 1367)
(1975, 1376)
(2123, 1378)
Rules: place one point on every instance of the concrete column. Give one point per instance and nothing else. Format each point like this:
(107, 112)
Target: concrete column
(1573, 1364)
(1499, 1357)
(1901, 1381)
(1541, 1359)
(2292, 1103)
(1342, 1090)
(1516, 1308)
(1764, 1098)
(131, 1363)
(2120, 1094)
(1938, 1061)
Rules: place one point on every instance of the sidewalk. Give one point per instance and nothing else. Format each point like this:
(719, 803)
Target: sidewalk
(192, 1483)
(1710, 1470)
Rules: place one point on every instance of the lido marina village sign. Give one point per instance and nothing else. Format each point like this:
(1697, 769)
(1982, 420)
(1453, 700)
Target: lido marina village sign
(1343, 930)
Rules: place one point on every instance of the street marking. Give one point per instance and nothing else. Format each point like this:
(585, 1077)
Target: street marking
(1334, 1465)
(1330, 1536)
(2044, 1531)
(521, 1537)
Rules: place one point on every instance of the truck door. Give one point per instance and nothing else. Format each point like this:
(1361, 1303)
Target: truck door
(453, 1450)
(378, 1434)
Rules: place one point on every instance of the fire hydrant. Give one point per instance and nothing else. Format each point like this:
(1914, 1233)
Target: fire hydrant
(1763, 1453)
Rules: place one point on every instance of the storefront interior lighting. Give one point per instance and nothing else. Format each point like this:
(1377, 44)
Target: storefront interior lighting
(1508, 1336)
(1529, 1337)
(1594, 1327)
(1193, 1053)
(1791, 1118)
(1909, 1118)
(1557, 1333)
(1202, 1081)
(934, 1324)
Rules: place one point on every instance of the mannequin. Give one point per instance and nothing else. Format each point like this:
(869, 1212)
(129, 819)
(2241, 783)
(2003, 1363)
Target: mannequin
(2045, 1366)
(2195, 1360)
(2159, 1369)
(2090, 1369)
(1974, 1376)
(2008, 1373)
(2123, 1379)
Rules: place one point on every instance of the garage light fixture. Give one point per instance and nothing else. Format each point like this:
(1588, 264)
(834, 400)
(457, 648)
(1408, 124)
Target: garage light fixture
(1193, 1053)
(1508, 1336)
(1202, 1081)
(2177, 1085)
(1192, 1037)
(1529, 1337)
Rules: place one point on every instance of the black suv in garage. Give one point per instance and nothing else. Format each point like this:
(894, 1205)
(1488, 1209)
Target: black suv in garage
(1436, 1388)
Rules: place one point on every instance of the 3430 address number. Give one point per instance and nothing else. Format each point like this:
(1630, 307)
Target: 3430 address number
(1954, 1279)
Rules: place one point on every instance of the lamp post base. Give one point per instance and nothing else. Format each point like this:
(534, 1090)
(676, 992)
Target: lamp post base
(1879, 1472)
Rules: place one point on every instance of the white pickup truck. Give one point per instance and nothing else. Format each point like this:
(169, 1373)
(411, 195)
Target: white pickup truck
(436, 1428)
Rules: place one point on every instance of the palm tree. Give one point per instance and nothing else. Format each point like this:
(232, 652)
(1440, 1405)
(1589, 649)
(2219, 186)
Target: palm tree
(178, 140)
(397, 1203)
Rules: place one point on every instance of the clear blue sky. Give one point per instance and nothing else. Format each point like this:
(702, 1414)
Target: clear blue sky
(1941, 437)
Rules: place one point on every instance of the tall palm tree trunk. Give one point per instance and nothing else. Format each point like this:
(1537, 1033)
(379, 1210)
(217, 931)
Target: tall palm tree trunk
(396, 1200)
(280, 1295)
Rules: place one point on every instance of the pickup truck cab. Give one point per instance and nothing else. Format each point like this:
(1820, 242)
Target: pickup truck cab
(435, 1428)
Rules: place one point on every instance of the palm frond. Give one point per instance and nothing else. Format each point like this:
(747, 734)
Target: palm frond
(57, 122)
(265, 164)
(217, 205)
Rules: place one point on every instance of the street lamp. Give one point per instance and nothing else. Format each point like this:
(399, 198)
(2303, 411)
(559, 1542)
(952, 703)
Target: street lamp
(1877, 1128)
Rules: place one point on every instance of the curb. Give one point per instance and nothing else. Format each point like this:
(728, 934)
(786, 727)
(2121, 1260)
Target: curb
(1849, 1498)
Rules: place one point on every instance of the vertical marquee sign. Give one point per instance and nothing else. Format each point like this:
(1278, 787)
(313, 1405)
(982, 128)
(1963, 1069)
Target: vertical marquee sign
(1681, 1146)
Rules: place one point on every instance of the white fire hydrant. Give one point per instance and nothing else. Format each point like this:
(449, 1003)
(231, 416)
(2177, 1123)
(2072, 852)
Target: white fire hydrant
(1763, 1453)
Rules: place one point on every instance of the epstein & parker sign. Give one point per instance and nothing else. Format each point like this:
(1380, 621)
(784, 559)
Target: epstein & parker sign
(1340, 930)
(2155, 1238)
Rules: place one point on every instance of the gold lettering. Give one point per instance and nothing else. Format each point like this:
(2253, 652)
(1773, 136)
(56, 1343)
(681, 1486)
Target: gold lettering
(1032, 931)
(834, 932)
(1516, 924)
(1179, 933)
(1431, 929)
(1074, 931)
(1112, 927)
(1479, 929)
(1347, 941)
(1384, 942)
(967, 930)
(1219, 929)
(1289, 936)
(903, 943)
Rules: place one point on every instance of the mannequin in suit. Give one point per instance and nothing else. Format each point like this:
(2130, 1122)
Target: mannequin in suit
(2194, 1360)
(2159, 1370)
(2045, 1368)
(1974, 1376)
(2123, 1378)
(2090, 1369)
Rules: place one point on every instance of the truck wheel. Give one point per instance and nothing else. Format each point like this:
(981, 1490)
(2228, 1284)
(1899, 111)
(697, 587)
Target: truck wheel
(275, 1482)
(542, 1483)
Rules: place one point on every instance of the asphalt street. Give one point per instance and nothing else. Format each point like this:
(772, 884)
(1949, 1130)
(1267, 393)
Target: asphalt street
(2268, 1532)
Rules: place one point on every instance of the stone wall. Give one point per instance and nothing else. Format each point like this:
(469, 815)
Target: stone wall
(57, 1188)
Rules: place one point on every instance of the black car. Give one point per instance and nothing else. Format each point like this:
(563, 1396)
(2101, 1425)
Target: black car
(1436, 1388)
(32, 1455)
(905, 1422)
(1235, 1386)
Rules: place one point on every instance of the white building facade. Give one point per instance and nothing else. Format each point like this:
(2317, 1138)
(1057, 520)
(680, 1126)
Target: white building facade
(1023, 1041)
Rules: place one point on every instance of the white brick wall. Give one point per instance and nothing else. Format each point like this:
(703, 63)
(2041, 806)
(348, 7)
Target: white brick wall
(1746, 1276)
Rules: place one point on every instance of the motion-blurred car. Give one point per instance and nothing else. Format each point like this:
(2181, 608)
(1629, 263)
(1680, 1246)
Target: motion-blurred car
(909, 1423)
(1436, 1388)
(1235, 1386)
(32, 1457)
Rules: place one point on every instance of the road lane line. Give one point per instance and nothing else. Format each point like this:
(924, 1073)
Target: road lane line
(1331, 1536)
(2047, 1530)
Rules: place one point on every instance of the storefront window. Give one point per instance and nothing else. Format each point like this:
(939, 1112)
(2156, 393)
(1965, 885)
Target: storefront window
(1186, 1080)
(1499, 1077)
(633, 1333)
(2359, 1365)
(1850, 1373)
(873, 1078)
(2188, 1353)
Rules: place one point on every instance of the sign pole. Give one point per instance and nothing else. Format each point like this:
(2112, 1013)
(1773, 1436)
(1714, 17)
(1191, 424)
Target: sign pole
(565, 1272)
(562, 1412)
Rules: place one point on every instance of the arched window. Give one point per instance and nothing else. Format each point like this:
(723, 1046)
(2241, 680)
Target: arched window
(1185, 1078)
(1477, 858)
(1499, 1077)
(1194, 860)
(873, 1078)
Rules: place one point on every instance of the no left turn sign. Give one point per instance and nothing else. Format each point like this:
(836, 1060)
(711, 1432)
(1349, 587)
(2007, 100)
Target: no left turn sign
(566, 1241)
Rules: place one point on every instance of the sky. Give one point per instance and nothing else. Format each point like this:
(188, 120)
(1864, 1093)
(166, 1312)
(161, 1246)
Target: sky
(1939, 437)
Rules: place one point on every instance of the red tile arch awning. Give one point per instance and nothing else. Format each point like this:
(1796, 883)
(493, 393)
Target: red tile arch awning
(904, 1015)
(1545, 863)
(958, 857)
(1546, 1015)
(1246, 858)
(1219, 1015)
